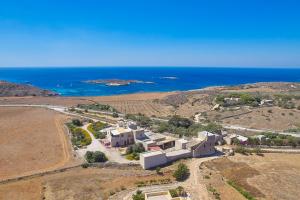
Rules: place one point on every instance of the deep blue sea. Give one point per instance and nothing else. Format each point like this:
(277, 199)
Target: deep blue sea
(69, 81)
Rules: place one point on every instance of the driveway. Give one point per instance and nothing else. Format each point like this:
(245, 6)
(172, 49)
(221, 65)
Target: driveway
(111, 153)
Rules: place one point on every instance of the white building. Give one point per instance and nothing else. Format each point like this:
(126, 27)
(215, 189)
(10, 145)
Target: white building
(203, 145)
(120, 137)
(152, 159)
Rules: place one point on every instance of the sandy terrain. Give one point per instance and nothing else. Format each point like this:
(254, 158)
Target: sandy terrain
(272, 176)
(31, 140)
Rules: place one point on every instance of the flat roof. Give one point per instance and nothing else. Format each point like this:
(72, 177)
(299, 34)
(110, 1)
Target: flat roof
(178, 152)
(152, 153)
(120, 130)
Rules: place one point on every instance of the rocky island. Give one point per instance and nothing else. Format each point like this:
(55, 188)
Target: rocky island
(116, 82)
(20, 90)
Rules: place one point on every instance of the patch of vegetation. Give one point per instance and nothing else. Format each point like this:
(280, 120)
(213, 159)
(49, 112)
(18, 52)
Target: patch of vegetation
(94, 157)
(245, 151)
(76, 122)
(138, 196)
(141, 119)
(80, 137)
(214, 191)
(274, 139)
(95, 129)
(285, 101)
(191, 130)
(242, 99)
(178, 192)
(133, 151)
(241, 190)
(293, 130)
(158, 171)
(97, 107)
(182, 172)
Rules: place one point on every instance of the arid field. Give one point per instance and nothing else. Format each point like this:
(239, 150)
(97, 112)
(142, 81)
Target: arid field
(32, 140)
(272, 176)
(78, 183)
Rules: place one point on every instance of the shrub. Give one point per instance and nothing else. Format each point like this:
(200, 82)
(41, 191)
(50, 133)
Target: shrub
(115, 115)
(181, 173)
(173, 193)
(241, 150)
(96, 156)
(135, 148)
(76, 122)
(241, 190)
(178, 121)
(85, 165)
(141, 119)
(138, 196)
(158, 170)
(80, 137)
(95, 129)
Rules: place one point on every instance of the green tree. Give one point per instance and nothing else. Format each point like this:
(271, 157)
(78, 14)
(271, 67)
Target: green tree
(178, 121)
(76, 122)
(96, 156)
(182, 172)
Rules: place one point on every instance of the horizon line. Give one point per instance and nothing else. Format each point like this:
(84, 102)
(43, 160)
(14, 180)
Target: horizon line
(149, 66)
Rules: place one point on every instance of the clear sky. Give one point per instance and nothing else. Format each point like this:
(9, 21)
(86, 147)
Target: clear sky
(150, 33)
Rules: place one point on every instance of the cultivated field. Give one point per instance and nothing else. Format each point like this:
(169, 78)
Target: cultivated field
(272, 176)
(32, 140)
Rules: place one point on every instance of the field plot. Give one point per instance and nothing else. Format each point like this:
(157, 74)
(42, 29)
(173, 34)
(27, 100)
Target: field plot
(63, 101)
(145, 103)
(272, 176)
(78, 183)
(268, 118)
(31, 140)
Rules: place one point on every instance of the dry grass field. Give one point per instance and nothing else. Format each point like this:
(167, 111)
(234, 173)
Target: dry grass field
(272, 176)
(78, 183)
(32, 140)
(268, 118)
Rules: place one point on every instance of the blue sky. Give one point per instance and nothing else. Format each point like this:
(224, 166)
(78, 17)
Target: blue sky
(150, 33)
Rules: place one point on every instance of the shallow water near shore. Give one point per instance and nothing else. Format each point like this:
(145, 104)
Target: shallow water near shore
(69, 81)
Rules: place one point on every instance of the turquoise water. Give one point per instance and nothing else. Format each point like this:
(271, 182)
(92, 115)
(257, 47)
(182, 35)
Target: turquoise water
(69, 81)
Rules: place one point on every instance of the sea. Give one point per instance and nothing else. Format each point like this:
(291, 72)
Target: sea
(71, 81)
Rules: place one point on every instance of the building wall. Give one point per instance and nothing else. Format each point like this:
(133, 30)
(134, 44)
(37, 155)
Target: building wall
(123, 139)
(148, 162)
(206, 148)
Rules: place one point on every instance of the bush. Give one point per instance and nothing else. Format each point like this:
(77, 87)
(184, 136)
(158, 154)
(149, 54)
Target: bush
(80, 137)
(158, 170)
(76, 122)
(95, 129)
(115, 115)
(181, 173)
(98, 107)
(173, 193)
(138, 196)
(241, 150)
(97, 156)
(141, 119)
(178, 121)
(241, 190)
(85, 165)
(135, 148)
